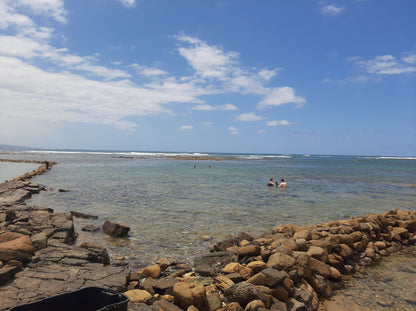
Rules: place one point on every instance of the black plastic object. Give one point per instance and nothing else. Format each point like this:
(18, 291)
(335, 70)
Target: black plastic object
(86, 299)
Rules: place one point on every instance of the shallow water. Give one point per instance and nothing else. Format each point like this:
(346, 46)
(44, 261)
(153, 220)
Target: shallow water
(169, 205)
(9, 170)
(389, 285)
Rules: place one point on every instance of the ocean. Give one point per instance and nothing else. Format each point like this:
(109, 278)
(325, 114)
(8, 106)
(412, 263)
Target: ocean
(179, 208)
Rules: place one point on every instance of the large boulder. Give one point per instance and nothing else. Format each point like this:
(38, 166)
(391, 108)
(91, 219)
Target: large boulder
(115, 229)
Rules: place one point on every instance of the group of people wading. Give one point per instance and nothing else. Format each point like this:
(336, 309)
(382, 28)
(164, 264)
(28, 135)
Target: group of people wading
(273, 183)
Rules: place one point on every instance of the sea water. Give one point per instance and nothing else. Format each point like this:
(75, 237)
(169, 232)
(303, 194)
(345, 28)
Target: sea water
(9, 170)
(171, 204)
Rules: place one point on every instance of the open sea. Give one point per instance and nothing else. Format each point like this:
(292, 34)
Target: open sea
(179, 208)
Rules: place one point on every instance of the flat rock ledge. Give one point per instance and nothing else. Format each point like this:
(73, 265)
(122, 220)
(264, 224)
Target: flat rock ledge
(37, 255)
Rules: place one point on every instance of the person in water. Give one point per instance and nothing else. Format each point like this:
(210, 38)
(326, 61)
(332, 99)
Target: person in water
(283, 184)
(271, 182)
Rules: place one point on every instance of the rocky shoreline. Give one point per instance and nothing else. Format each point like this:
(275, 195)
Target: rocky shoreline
(289, 268)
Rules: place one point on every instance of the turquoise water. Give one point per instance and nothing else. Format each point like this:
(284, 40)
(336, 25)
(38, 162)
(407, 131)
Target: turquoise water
(170, 205)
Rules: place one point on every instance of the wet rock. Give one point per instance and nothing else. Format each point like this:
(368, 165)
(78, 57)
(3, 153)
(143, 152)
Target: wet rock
(90, 228)
(82, 215)
(115, 229)
(281, 261)
(152, 271)
(7, 273)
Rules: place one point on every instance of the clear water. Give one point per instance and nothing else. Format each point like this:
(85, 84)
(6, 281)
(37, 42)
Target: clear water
(169, 205)
(9, 170)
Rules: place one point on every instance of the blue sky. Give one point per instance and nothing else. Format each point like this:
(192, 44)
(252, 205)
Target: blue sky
(314, 77)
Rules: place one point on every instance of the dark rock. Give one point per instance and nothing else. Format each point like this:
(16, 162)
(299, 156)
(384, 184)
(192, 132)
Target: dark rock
(141, 307)
(224, 244)
(164, 286)
(115, 229)
(82, 215)
(243, 293)
(216, 260)
(165, 305)
(205, 270)
(98, 253)
(294, 305)
(7, 273)
(90, 228)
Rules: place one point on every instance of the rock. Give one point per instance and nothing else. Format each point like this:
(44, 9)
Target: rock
(216, 260)
(115, 229)
(152, 271)
(6, 255)
(16, 242)
(294, 305)
(232, 267)
(164, 305)
(98, 253)
(244, 236)
(39, 240)
(82, 215)
(320, 267)
(213, 297)
(281, 261)
(205, 270)
(254, 305)
(243, 293)
(249, 251)
(316, 252)
(233, 306)
(257, 266)
(138, 295)
(223, 282)
(7, 273)
(165, 285)
(302, 244)
(90, 228)
(188, 293)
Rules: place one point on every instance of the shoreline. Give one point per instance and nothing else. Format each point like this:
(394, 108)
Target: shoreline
(288, 268)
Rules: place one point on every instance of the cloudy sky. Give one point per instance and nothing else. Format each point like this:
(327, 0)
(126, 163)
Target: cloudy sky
(316, 77)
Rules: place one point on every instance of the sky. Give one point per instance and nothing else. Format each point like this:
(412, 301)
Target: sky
(234, 76)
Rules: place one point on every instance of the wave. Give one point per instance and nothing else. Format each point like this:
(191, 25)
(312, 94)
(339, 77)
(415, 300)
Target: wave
(396, 158)
(121, 153)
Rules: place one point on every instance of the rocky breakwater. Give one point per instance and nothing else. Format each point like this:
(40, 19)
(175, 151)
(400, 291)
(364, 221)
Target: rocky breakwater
(289, 268)
(37, 255)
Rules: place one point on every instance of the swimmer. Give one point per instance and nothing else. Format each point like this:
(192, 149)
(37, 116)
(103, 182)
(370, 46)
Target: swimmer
(271, 182)
(283, 184)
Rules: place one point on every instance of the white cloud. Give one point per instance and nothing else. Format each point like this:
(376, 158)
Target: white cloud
(206, 107)
(207, 123)
(233, 130)
(128, 3)
(331, 10)
(386, 65)
(48, 8)
(280, 96)
(248, 117)
(267, 74)
(148, 71)
(186, 127)
(278, 122)
(411, 59)
(261, 132)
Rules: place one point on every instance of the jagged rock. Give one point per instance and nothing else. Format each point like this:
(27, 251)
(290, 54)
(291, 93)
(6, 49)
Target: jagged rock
(90, 228)
(98, 253)
(115, 229)
(82, 215)
(165, 285)
(39, 240)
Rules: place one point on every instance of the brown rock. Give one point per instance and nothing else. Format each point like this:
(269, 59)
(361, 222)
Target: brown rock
(233, 306)
(152, 271)
(345, 251)
(249, 251)
(258, 279)
(304, 234)
(320, 267)
(257, 266)
(254, 305)
(243, 293)
(280, 292)
(335, 274)
(246, 272)
(138, 295)
(281, 261)
(164, 305)
(223, 282)
(188, 293)
(115, 229)
(315, 251)
(232, 267)
(16, 242)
